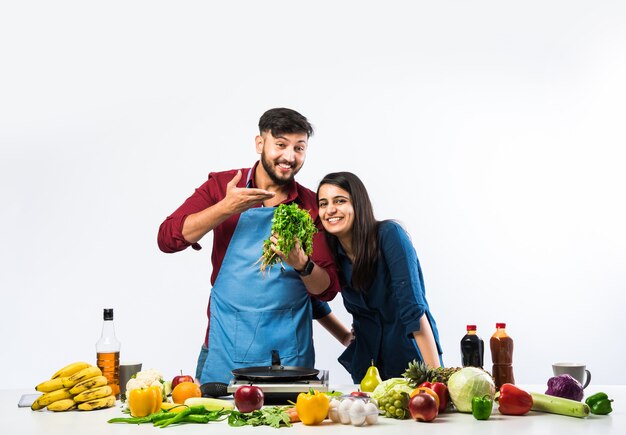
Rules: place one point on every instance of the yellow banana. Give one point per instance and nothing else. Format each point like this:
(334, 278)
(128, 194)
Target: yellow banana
(88, 384)
(94, 393)
(47, 398)
(104, 402)
(84, 374)
(62, 405)
(36, 406)
(54, 384)
(70, 369)
(50, 385)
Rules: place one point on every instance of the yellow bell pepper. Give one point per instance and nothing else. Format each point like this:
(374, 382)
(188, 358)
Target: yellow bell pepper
(312, 407)
(144, 401)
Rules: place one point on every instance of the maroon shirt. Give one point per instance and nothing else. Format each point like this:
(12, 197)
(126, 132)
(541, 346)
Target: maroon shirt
(170, 238)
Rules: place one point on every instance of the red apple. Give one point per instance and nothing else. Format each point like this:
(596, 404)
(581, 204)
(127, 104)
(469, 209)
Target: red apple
(423, 407)
(181, 378)
(359, 394)
(444, 397)
(442, 391)
(249, 398)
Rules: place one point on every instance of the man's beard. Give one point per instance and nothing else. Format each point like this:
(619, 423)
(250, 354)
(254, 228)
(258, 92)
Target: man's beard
(271, 171)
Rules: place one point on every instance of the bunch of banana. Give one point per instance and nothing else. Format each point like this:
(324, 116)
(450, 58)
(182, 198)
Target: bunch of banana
(77, 385)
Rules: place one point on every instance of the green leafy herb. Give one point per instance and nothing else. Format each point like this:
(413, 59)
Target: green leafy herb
(274, 416)
(292, 225)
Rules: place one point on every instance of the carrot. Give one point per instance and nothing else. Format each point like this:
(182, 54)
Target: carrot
(293, 414)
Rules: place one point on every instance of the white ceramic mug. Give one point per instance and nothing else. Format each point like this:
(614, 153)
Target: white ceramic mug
(576, 371)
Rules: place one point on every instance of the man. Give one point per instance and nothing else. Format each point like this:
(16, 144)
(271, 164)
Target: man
(251, 314)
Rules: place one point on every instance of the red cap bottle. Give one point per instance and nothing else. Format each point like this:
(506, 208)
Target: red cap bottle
(502, 356)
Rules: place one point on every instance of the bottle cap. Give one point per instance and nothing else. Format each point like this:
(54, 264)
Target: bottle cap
(471, 327)
(500, 325)
(108, 314)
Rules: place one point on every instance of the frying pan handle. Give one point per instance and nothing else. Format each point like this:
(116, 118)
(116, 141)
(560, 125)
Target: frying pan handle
(275, 358)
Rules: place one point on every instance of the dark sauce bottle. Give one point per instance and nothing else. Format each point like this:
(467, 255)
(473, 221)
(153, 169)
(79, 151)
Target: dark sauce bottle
(472, 348)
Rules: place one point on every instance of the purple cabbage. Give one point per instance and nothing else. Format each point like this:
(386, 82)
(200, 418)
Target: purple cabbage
(565, 386)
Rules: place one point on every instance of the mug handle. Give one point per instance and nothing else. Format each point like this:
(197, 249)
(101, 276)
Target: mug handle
(587, 378)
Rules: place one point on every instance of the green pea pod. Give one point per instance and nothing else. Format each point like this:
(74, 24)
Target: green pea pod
(481, 407)
(599, 404)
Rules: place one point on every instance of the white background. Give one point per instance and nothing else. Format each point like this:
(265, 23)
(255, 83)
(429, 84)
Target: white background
(494, 131)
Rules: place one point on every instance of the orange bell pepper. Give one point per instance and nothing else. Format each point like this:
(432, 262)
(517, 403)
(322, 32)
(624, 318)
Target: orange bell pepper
(144, 401)
(312, 407)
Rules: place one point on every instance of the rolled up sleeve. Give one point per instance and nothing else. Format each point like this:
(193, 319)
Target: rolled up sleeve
(323, 258)
(406, 276)
(170, 236)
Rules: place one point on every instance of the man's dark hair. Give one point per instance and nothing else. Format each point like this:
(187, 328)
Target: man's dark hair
(284, 121)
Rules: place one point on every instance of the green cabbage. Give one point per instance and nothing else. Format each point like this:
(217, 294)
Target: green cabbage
(391, 386)
(468, 383)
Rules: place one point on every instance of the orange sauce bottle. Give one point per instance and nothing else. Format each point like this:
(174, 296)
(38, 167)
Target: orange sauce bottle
(502, 356)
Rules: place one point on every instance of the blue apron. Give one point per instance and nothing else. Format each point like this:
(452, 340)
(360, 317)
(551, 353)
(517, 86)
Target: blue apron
(252, 314)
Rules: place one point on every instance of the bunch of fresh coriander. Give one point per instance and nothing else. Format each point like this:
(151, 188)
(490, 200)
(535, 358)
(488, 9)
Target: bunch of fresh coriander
(291, 225)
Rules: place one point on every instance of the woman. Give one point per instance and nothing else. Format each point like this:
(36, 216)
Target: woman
(382, 282)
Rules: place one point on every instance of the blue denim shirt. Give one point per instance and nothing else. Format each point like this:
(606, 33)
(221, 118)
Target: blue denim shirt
(387, 314)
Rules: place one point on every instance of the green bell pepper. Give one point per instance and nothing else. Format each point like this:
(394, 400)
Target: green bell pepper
(481, 407)
(599, 404)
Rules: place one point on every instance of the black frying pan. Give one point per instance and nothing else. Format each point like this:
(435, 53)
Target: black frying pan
(276, 372)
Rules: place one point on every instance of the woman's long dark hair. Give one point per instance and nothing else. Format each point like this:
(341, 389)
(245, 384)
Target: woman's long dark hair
(364, 229)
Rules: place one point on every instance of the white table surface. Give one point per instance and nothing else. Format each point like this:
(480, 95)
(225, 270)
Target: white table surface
(15, 421)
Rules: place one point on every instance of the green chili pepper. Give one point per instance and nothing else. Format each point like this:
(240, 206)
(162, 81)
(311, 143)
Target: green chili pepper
(193, 414)
(163, 416)
(177, 418)
(599, 404)
(131, 420)
(481, 407)
(140, 420)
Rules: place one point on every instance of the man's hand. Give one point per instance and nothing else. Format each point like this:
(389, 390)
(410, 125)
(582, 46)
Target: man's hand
(348, 337)
(240, 199)
(237, 200)
(317, 281)
(295, 258)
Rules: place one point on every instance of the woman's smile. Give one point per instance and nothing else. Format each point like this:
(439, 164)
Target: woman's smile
(335, 210)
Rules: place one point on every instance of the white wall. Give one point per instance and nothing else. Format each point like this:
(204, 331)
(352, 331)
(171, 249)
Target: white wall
(494, 131)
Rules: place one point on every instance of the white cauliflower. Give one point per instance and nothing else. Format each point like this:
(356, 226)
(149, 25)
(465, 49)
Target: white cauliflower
(145, 379)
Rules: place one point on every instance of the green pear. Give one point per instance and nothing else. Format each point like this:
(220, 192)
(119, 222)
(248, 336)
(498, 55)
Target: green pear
(371, 379)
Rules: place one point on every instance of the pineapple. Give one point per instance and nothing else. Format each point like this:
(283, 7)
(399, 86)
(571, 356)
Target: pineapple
(418, 372)
(442, 374)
